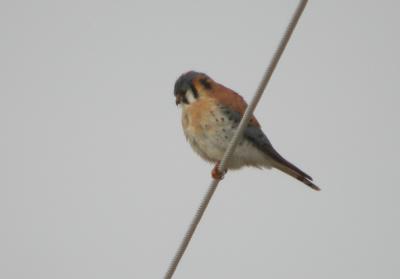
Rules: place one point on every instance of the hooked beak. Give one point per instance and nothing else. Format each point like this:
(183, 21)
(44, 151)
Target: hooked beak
(178, 99)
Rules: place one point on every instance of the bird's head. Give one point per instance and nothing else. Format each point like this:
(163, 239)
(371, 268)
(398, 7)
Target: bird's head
(191, 86)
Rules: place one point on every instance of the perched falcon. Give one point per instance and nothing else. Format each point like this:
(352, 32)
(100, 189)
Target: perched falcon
(210, 115)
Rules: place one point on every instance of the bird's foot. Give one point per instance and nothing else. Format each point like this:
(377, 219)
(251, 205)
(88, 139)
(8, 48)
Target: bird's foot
(216, 174)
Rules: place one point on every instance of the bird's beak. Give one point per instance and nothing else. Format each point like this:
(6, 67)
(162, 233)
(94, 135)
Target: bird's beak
(178, 99)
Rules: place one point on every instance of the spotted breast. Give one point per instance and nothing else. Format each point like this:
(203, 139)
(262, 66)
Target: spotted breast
(209, 127)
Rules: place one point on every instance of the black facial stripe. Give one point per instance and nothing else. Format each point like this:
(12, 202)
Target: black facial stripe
(194, 90)
(184, 100)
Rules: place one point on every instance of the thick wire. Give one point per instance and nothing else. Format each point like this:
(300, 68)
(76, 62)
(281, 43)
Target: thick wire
(236, 138)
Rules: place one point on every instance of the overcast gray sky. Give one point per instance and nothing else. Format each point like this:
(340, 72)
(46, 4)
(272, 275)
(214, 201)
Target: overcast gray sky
(97, 181)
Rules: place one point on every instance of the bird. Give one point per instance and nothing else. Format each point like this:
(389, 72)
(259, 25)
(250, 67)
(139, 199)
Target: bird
(211, 114)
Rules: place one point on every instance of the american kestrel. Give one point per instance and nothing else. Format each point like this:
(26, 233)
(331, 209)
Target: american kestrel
(211, 113)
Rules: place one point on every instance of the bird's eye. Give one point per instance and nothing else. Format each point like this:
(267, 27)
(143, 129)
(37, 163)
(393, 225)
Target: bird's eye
(205, 83)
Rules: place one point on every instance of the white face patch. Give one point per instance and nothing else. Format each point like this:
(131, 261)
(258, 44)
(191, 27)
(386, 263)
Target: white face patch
(190, 96)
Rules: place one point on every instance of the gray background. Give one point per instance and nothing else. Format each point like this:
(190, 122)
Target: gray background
(97, 181)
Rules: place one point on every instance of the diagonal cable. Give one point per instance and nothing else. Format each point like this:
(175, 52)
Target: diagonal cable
(237, 136)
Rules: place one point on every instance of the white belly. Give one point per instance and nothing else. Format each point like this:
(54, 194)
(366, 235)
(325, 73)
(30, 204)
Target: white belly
(211, 137)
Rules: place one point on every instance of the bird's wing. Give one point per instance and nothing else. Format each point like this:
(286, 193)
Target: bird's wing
(234, 107)
(260, 140)
(232, 101)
